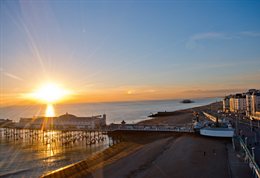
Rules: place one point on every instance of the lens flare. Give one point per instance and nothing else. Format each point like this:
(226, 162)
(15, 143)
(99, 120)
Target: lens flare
(49, 93)
(49, 112)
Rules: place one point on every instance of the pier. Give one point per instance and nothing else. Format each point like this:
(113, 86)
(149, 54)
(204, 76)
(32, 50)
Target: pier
(63, 137)
(89, 136)
(185, 128)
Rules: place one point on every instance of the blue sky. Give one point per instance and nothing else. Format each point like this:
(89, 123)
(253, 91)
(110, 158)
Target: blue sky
(127, 50)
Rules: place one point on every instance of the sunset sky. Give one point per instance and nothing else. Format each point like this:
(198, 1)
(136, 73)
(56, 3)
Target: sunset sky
(129, 50)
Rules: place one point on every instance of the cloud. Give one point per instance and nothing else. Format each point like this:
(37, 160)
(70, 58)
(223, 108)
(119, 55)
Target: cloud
(194, 40)
(210, 93)
(250, 33)
(209, 36)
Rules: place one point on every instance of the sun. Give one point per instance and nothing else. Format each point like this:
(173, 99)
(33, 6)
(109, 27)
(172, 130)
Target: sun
(50, 93)
(49, 112)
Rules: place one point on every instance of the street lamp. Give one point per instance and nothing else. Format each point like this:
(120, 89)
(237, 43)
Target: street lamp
(236, 126)
(253, 152)
(251, 125)
(255, 138)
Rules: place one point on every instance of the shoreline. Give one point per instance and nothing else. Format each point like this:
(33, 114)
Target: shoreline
(182, 116)
(129, 111)
(160, 155)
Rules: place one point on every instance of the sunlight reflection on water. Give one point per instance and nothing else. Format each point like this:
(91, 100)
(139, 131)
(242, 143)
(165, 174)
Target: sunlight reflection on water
(33, 156)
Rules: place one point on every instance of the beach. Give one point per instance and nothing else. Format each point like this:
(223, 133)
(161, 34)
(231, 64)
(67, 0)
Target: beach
(185, 156)
(183, 116)
(163, 155)
(49, 157)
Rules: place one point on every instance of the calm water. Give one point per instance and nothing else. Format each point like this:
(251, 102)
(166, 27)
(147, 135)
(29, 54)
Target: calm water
(116, 112)
(32, 159)
(29, 157)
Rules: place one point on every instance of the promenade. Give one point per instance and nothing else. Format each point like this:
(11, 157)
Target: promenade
(246, 140)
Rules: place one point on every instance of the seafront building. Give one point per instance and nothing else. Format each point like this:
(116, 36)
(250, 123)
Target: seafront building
(5, 122)
(240, 103)
(226, 104)
(247, 103)
(256, 105)
(237, 103)
(66, 121)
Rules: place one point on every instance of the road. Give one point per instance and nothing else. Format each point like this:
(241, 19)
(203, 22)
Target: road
(248, 129)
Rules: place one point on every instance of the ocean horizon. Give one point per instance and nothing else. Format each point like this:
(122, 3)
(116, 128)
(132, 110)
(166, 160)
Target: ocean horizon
(130, 111)
(52, 156)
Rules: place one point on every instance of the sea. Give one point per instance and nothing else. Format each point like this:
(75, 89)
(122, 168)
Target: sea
(23, 158)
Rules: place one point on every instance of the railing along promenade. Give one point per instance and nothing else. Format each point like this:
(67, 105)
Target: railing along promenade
(152, 128)
(248, 156)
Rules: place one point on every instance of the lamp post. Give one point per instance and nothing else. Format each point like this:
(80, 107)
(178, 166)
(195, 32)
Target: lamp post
(236, 126)
(251, 125)
(233, 143)
(253, 152)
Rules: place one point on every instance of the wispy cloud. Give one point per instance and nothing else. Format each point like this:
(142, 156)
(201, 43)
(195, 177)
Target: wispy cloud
(250, 33)
(217, 65)
(193, 41)
(209, 36)
(197, 93)
(12, 76)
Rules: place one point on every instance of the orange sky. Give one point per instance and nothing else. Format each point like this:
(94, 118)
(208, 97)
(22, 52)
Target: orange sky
(128, 51)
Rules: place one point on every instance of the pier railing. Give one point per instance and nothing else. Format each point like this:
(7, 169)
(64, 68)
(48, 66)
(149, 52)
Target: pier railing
(125, 127)
(253, 165)
(152, 128)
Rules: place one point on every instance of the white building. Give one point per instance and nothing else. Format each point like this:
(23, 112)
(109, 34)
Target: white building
(248, 103)
(232, 104)
(66, 121)
(226, 104)
(237, 103)
(240, 104)
(255, 103)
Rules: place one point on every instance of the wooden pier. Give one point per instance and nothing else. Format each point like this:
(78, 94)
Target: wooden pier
(64, 137)
(67, 137)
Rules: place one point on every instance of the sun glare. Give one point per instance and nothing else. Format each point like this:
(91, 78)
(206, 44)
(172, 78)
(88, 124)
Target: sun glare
(49, 112)
(50, 93)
